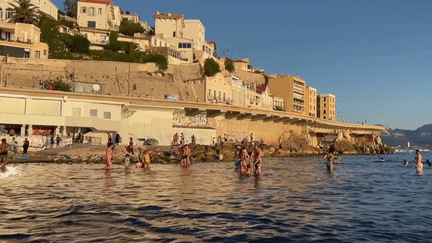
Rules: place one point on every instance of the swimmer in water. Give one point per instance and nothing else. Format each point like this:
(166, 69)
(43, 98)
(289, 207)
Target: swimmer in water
(257, 156)
(329, 158)
(127, 161)
(237, 156)
(244, 157)
(418, 159)
(109, 152)
(3, 152)
(382, 159)
(428, 162)
(405, 162)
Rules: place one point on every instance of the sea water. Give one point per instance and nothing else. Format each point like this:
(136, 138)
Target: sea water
(295, 199)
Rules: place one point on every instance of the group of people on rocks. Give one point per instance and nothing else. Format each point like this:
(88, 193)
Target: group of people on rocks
(144, 156)
(247, 163)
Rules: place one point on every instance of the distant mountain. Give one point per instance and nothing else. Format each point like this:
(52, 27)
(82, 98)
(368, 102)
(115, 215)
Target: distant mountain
(420, 137)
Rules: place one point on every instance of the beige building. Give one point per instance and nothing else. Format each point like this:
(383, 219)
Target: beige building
(22, 40)
(135, 18)
(292, 90)
(184, 36)
(214, 89)
(98, 14)
(242, 64)
(311, 101)
(327, 107)
(45, 6)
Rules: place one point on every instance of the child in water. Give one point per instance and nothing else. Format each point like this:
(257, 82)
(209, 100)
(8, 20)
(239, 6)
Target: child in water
(127, 161)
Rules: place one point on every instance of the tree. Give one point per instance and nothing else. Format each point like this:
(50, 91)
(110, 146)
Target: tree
(130, 47)
(114, 44)
(211, 67)
(25, 12)
(71, 8)
(78, 44)
(229, 65)
(129, 28)
(127, 12)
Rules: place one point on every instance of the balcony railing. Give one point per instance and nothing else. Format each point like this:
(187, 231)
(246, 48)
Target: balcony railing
(29, 41)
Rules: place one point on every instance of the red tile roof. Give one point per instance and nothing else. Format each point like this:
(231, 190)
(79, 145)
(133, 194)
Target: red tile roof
(167, 16)
(261, 88)
(97, 1)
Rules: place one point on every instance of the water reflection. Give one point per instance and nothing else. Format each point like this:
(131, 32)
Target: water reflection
(295, 199)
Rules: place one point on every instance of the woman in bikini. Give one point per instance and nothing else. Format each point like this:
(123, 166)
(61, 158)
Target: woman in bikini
(109, 152)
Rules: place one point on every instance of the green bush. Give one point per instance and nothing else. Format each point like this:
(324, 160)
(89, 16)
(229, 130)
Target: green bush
(229, 65)
(59, 85)
(78, 44)
(129, 28)
(211, 67)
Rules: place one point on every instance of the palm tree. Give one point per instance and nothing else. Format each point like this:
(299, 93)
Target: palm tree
(25, 12)
(130, 47)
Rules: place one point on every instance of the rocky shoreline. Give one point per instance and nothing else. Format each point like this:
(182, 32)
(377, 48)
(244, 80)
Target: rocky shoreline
(204, 153)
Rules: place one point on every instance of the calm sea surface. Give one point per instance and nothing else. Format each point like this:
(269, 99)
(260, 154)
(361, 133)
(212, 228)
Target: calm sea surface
(295, 199)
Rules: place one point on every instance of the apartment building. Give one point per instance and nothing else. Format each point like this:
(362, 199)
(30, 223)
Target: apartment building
(135, 18)
(184, 36)
(311, 101)
(327, 107)
(44, 6)
(291, 89)
(96, 20)
(22, 40)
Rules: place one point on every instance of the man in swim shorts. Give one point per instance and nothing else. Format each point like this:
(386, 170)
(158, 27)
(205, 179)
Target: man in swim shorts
(3, 152)
(257, 155)
(186, 153)
(418, 159)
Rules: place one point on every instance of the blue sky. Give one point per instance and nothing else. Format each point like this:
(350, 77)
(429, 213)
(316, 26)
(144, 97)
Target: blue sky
(374, 55)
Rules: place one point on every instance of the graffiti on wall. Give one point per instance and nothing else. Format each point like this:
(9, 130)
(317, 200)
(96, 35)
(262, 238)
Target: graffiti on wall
(180, 119)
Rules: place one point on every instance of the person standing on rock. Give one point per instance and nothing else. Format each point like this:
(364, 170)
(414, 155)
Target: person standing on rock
(26, 145)
(58, 140)
(117, 139)
(175, 139)
(186, 153)
(418, 162)
(182, 139)
(131, 146)
(109, 152)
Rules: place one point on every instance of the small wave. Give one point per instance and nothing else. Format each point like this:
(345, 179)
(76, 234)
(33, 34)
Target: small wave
(7, 171)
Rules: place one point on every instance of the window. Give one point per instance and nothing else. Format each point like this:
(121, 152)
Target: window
(45, 52)
(84, 10)
(324, 99)
(93, 113)
(224, 96)
(9, 13)
(184, 45)
(324, 111)
(91, 24)
(220, 95)
(92, 12)
(174, 34)
(76, 112)
(209, 92)
(107, 115)
(100, 11)
(324, 117)
(1, 13)
(325, 105)
(37, 54)
(214, 94)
